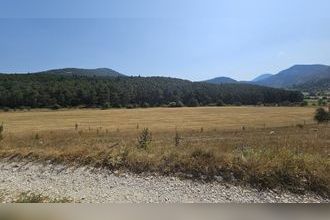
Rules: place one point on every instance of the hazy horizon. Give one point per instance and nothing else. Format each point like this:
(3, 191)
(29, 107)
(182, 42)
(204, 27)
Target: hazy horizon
(194, 40)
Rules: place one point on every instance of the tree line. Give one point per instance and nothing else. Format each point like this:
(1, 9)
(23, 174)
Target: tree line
(38, 91)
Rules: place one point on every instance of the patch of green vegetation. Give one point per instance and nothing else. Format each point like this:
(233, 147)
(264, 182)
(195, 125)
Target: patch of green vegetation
(29, 197)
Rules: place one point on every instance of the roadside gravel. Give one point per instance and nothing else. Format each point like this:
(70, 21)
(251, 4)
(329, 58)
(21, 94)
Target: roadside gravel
(87, 185)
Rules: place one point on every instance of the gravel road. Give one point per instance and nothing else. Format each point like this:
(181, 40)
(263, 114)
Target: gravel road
(88, 185)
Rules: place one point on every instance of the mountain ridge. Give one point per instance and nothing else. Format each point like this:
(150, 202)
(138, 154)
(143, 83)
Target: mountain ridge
(300, 74)
(296, 75)
(262, 77)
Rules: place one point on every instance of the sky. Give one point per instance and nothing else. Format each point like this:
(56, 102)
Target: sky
(187, 39)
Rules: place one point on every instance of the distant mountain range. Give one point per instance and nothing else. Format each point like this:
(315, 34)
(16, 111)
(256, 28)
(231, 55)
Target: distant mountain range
(296, 75)
(301, 77)
(228, 80)
(99, 72)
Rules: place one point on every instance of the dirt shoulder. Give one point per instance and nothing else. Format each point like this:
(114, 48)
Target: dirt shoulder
(89, 185)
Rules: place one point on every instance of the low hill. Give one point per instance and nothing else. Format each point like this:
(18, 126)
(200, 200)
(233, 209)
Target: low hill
(99, 72)
(44, 90)
(221, 80)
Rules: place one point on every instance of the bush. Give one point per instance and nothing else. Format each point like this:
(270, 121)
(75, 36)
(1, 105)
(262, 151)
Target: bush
(321, 102)
(179, 104)
(145, 105)
(193, 103)
(144, 139)
(172, 104)
(130, 106)
(176, 104)
(285, 103)
(304, 103)
(55, 107)
(116, 105)
(21, 108)
(321, 115)
(220, 103)
(106, 106)
(6, 109)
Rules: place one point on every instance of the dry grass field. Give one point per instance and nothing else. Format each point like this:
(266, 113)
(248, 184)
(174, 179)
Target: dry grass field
(159, 119)
(267, 147)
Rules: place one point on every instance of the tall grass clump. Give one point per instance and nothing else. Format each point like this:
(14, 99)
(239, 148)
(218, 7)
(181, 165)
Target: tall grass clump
(1, 131)
(177, 138)
(144, 139)
(36, 137)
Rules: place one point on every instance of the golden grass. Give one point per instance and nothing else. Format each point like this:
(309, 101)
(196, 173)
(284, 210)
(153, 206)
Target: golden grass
(291, 157)
(160, 119)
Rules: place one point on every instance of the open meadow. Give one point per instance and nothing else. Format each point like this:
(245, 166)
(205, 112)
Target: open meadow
(266, 147)
(156, 119)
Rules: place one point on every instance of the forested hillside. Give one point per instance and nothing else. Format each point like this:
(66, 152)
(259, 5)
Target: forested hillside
(297, 75)
(322, 85)
(40, 90)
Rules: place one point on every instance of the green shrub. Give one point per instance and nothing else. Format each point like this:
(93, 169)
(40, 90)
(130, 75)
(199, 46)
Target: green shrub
(55, 107)
(193, 103)
(176, 104)
(321, 115)
(172, 104)
(179, 104)
(145, 105)
(304, 103)
(29, 197)
(130, 106)
(106, 106)
(322, 102)
(220, 103)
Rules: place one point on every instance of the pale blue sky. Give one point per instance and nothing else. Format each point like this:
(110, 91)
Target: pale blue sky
(188, 39)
